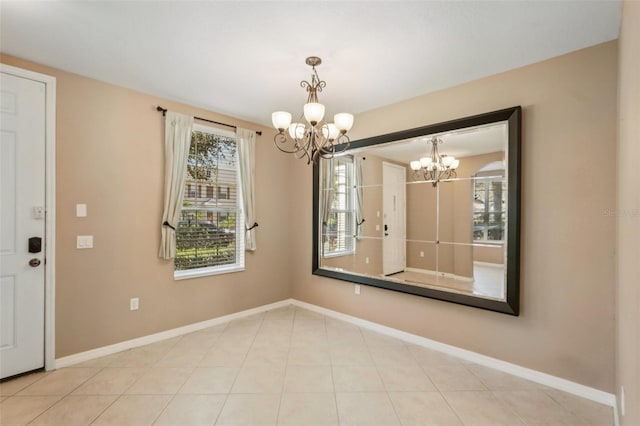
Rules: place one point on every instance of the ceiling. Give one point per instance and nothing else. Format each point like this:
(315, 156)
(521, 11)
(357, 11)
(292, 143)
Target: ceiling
(246, 59)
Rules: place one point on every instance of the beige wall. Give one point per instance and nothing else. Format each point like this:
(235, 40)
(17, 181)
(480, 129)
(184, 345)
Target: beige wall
(110, 156)
(628, 215)
(566, 326)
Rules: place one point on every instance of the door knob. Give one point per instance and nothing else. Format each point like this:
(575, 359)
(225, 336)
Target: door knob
(34, 262)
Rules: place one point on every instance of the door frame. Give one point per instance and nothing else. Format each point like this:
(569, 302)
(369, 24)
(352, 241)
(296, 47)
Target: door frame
(50, 207)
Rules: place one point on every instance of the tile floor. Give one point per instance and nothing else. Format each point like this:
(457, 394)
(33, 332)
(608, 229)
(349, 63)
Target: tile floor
(288, 366)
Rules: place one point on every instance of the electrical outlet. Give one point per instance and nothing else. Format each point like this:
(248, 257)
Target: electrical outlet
(81, 210)
(134, 304)
(622, 404)
(357, 288)
(366, 260)
(84, 241)
(421, 254)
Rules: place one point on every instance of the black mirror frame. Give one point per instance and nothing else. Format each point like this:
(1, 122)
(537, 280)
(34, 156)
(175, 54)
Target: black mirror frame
(511, 304)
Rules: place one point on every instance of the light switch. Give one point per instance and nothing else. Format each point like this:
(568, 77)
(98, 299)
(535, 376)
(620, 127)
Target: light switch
(81, 210)
(38, 212)
(85, 241)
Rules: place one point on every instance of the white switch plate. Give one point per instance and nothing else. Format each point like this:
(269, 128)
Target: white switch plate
(81, 210)
(357, 288)
(421, 254)
(85, 241)
(134, 304)
(377, 227)
(38, 212)
(366, 260)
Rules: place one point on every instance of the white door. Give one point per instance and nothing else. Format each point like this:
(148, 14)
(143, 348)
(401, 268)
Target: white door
(394, 246)
(22, 207)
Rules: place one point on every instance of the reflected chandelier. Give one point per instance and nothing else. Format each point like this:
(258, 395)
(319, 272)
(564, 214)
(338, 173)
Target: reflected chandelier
(436, 166)
(315, 138)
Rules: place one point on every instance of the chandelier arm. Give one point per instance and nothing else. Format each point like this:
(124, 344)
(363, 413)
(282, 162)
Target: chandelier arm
(280, 139)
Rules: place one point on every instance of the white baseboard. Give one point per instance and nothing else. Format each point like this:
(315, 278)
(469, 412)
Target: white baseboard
(516, 370)
(163, 335)
(488, 264)
(440, 274)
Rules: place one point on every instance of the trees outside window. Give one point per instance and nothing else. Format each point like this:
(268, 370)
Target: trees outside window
(210, 233)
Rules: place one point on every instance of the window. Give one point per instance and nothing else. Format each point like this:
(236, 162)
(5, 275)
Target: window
(489, 209)
(341, 218)
(210, 232)
(224, 193)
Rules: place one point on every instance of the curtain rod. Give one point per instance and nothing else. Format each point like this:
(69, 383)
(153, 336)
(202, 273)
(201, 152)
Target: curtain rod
(164, 111)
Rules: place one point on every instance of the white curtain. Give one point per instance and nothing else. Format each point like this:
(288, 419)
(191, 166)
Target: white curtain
(177, 139)
(326, 194)
(357, 164)
(246, 143)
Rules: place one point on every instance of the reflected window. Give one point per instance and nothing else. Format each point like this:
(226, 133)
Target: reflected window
(489, 208)
(340, 224)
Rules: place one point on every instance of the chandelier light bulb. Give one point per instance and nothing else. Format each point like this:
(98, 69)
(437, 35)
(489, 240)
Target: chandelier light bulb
(313, 112)
(281, 120)
(296, 130)
(330, 131)
(447, 161)
(343, 121)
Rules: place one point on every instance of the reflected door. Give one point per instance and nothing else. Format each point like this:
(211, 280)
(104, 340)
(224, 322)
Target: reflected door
(22, 185)
(394, 247)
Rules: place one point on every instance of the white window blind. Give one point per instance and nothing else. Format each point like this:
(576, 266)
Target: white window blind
(340, 228)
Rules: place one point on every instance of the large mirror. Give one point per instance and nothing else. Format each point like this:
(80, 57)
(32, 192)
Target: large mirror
(432, 211)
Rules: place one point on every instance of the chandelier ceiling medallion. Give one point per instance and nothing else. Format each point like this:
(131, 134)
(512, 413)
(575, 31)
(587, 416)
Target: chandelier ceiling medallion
(314, 138)
(436, 166)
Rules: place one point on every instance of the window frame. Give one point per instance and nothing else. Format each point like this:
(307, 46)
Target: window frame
(485, 226)
(350, 211)
(239, 264)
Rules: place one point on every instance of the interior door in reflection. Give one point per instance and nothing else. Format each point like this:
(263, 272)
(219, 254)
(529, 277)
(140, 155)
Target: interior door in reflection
(394, 248)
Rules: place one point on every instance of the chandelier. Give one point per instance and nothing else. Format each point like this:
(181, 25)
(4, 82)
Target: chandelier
(436, 166)
(315, 138)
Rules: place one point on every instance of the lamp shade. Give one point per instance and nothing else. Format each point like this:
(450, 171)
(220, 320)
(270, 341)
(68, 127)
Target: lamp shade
(455, 164)
(313, 112)
(343, 121)
(415, 165)
(330, 131)
(447, 161)
(296, 130)
(425, 162)
(281, 120)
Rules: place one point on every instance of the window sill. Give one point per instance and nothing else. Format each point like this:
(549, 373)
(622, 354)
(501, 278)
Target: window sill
(492, 243)
(203, 272)
(342, 253)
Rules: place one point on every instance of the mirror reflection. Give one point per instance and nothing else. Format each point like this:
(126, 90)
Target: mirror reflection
(425, 212)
